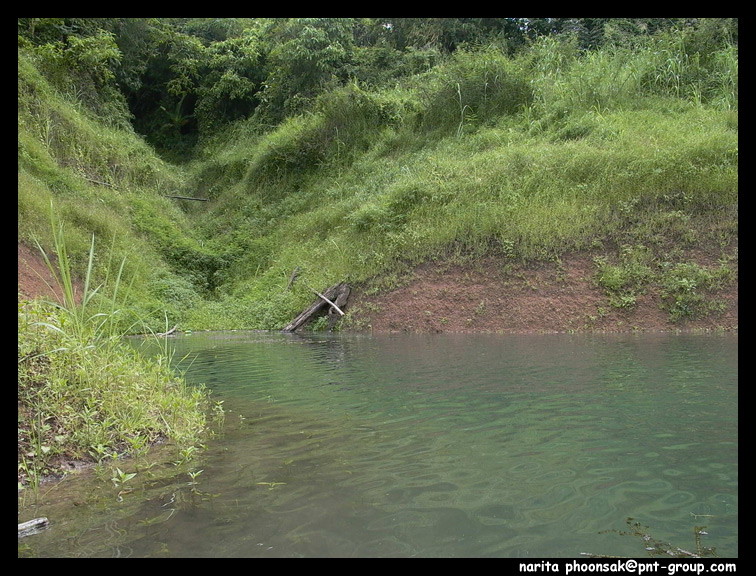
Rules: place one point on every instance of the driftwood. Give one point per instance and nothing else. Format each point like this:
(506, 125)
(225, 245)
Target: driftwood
(333, 300)
(333, 304)
(32, 527)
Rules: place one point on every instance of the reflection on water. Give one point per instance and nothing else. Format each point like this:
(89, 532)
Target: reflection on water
(444, 445)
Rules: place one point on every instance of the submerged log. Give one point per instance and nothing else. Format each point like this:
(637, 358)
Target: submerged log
(32, 527)
(332, 300)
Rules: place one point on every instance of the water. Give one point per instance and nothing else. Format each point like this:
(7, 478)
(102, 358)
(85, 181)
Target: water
(432, 446)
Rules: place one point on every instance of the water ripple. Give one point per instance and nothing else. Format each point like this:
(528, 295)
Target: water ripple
(401, 446)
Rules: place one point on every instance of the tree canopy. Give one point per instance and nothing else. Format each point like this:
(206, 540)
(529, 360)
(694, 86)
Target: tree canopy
(178, 80)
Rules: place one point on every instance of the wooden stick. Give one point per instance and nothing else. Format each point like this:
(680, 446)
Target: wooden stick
(171, 331)
(327, 300)
(100, 182)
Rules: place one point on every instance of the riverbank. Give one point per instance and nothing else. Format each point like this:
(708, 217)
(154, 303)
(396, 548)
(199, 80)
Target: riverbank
(83, 395)
(497, 296)
(493, 296)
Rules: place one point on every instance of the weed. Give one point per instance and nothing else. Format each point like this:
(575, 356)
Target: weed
(685, 288)
(186, 454)
(655, 547)
(193, 483)
(120, 477)
(106, 398)
(626, 279)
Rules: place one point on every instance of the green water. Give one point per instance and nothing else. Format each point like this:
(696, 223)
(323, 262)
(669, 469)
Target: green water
(431, 446)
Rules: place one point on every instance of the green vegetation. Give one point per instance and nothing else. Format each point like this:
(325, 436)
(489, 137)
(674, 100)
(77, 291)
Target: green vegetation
(654, 547)
(84, 394)
(354, 149)
(451, 179)
(94, 400)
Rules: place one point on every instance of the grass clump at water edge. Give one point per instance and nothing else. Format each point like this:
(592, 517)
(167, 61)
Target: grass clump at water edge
(85, 395)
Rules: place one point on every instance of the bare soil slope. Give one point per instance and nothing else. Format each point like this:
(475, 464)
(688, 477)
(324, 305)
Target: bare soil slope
(494, 296)
(34, 277)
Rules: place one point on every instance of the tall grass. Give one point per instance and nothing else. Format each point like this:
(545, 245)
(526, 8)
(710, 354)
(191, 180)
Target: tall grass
(556, 150)
(80, 320)
(83, 393)
(566, 81)
(473, 88)
(527, 157)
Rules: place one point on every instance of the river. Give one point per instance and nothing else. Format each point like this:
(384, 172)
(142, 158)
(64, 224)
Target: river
(540, 446)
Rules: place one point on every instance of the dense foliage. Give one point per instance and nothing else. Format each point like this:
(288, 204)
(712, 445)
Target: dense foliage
(186, 78)
(349, 149)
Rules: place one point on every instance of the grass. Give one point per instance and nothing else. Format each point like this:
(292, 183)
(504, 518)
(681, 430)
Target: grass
(522, 158)
(83, 393)
(651, 175)
(104, 180)
(686, 285)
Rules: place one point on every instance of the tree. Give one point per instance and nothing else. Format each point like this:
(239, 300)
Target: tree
(234, 72)
(79, 56)
(307, 56)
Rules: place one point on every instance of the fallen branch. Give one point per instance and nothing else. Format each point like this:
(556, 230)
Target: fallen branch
(334, 298)
(186, 198)
(327, 300)
(100, 182)
(171, 331)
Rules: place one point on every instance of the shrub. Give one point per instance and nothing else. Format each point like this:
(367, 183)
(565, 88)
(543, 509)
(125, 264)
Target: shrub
(625, 280)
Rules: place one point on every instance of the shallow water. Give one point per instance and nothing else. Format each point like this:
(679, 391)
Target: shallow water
(432, 446)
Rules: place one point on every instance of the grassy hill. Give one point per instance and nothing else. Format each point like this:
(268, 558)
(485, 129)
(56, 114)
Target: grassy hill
(630, 155)
(549, 189)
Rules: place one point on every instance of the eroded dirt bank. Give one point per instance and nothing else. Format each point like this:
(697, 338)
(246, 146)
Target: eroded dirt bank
(490, 296)
(496, 296)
